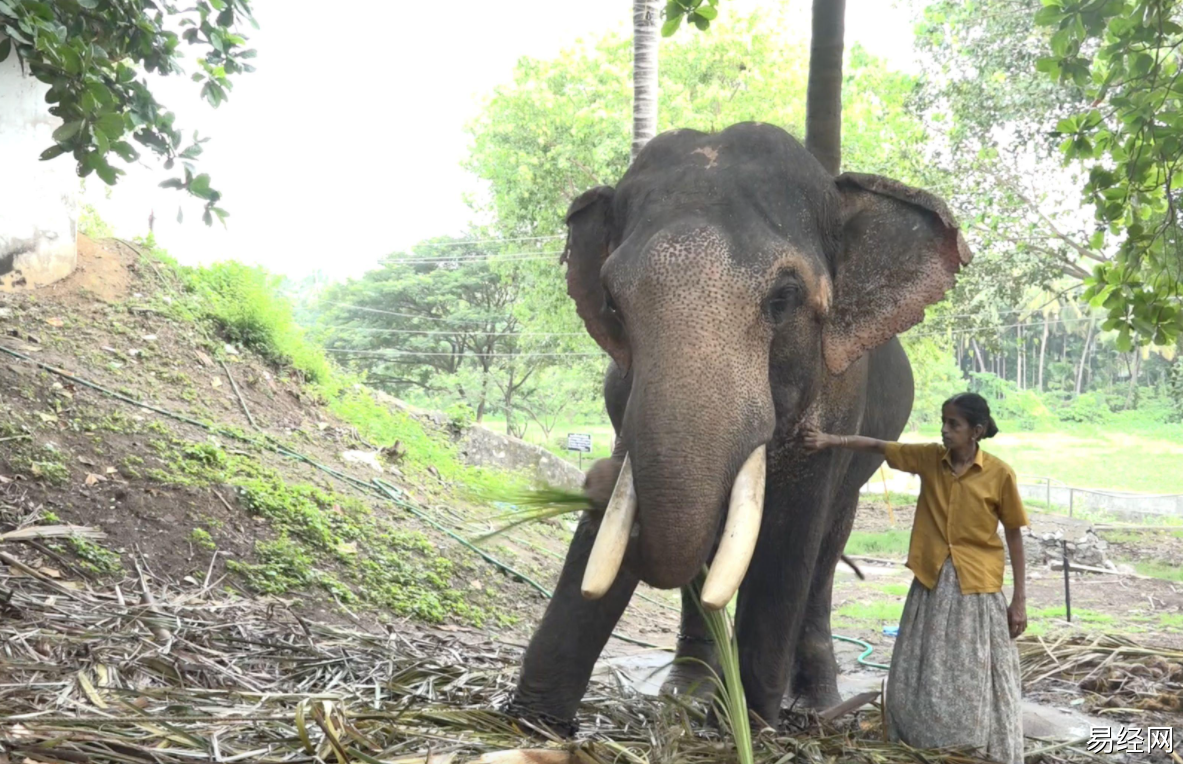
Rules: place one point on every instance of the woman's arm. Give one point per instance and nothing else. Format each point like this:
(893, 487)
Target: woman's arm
(815, 440)
(1016, 614)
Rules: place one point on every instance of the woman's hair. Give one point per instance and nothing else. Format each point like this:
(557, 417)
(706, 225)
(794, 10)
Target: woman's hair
(976, 411)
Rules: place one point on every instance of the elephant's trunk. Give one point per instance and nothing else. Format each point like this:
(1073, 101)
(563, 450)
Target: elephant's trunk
(689, 463)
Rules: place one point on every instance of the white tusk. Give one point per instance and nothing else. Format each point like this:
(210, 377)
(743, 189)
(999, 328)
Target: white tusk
(739, 534)
(612, 539)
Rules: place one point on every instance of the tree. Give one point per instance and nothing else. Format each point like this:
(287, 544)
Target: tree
(1124, 56)
(436, 324)
(95, 57)
(645, 69)
(990, 114)
(823, 110)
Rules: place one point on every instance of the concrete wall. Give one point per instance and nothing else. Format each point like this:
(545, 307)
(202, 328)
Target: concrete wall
(38, 200)
(485, 448)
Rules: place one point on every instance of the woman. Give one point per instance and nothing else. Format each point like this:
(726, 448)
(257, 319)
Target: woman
(954, 677)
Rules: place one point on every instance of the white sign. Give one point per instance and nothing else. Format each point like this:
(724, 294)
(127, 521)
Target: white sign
(1131, 740)
(579, 442)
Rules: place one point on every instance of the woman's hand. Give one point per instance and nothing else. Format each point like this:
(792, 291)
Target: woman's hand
(816, 440)
(1016, 616)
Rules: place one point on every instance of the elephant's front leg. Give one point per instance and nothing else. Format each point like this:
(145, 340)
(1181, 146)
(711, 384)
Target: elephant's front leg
(815, 670)
(563, 651)
(772, 602)
(696, 656)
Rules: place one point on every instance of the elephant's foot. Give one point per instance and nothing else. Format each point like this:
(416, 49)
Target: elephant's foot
(691, 673)
(537, 720)
(814, 682)
(814, 697)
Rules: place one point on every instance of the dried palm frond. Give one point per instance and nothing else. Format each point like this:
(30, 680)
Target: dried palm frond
(532, 506)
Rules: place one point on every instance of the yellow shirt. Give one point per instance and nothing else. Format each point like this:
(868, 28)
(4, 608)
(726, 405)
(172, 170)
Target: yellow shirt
(959, 515)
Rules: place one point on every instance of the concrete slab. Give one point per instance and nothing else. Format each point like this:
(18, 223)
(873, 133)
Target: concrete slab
(645, 671)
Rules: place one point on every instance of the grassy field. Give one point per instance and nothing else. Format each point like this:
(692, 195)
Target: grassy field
(1118, 457)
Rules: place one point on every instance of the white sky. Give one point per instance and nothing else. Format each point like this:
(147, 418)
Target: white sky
(331, 160)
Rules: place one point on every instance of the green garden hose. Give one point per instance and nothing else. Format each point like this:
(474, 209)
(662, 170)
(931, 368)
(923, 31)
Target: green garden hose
(862, 659)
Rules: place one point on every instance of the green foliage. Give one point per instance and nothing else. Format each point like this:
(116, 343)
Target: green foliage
(1023, 408)
(95, 557)
(91, 225)
(326, 539)
(437, 325)
(896, 590)
(700, 13)
(201, 538)
(1087, 408)
(1175, 390)
(243, 303)
(96, 58)
(936, 378)
(1123, 54)
(379, 423)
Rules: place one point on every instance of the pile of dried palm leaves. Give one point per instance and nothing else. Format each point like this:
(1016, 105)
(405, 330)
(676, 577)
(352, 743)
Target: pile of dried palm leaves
(161, 671)
(1117, 676)
(184, 671)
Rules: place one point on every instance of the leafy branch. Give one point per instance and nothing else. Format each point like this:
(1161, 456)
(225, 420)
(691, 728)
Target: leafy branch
(95, 56)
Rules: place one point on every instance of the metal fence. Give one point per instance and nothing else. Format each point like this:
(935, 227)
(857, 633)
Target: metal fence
(1058, 496)
(1055, 496)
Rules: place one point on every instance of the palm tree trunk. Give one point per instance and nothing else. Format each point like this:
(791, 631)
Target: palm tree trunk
(823, 100)
(644, 73)
(1084, 357)
(1021, 359)
(1042, 353)
(978, 355)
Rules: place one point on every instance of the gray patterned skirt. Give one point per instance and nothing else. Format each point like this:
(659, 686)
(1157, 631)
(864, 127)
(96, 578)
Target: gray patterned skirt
(954, 679)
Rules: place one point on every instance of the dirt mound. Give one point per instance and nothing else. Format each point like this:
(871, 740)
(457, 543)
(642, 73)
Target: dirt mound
(198, 459)
(105, 271)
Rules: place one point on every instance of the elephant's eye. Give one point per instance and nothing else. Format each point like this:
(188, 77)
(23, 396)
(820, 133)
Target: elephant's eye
(784, 299)
(610, 304)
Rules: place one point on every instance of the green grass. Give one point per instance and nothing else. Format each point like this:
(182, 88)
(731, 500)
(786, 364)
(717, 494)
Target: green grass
(896, 590)
(888, 612)
(326, 540)
(1159, 569)
(1043, 620)
(1171, 620)
(1132, 457)
(893, 543)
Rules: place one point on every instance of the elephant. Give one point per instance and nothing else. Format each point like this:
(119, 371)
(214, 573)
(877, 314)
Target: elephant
(743, 294)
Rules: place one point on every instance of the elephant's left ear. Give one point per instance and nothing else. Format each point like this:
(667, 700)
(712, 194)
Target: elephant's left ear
(901, 252)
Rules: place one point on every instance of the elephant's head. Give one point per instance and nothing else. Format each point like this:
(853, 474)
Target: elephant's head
(732, 276)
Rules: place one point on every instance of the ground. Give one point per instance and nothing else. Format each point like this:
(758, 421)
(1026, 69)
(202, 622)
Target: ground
(190, 501)
(223, 508)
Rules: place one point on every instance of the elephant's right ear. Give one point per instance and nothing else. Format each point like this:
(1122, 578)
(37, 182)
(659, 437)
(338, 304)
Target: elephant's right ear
(589, 242)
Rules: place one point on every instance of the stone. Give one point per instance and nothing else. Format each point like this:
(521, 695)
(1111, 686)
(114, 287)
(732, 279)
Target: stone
(367, 458)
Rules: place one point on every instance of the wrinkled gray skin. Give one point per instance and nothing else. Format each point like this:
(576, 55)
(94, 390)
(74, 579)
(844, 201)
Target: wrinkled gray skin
(741, 292)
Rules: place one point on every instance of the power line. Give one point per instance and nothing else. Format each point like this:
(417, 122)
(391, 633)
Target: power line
(476, 258)
(488, 241)
(445, 319)
(388, 353)
(374, 330)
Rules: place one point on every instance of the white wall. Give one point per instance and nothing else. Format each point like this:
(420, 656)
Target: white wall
(38, 200)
